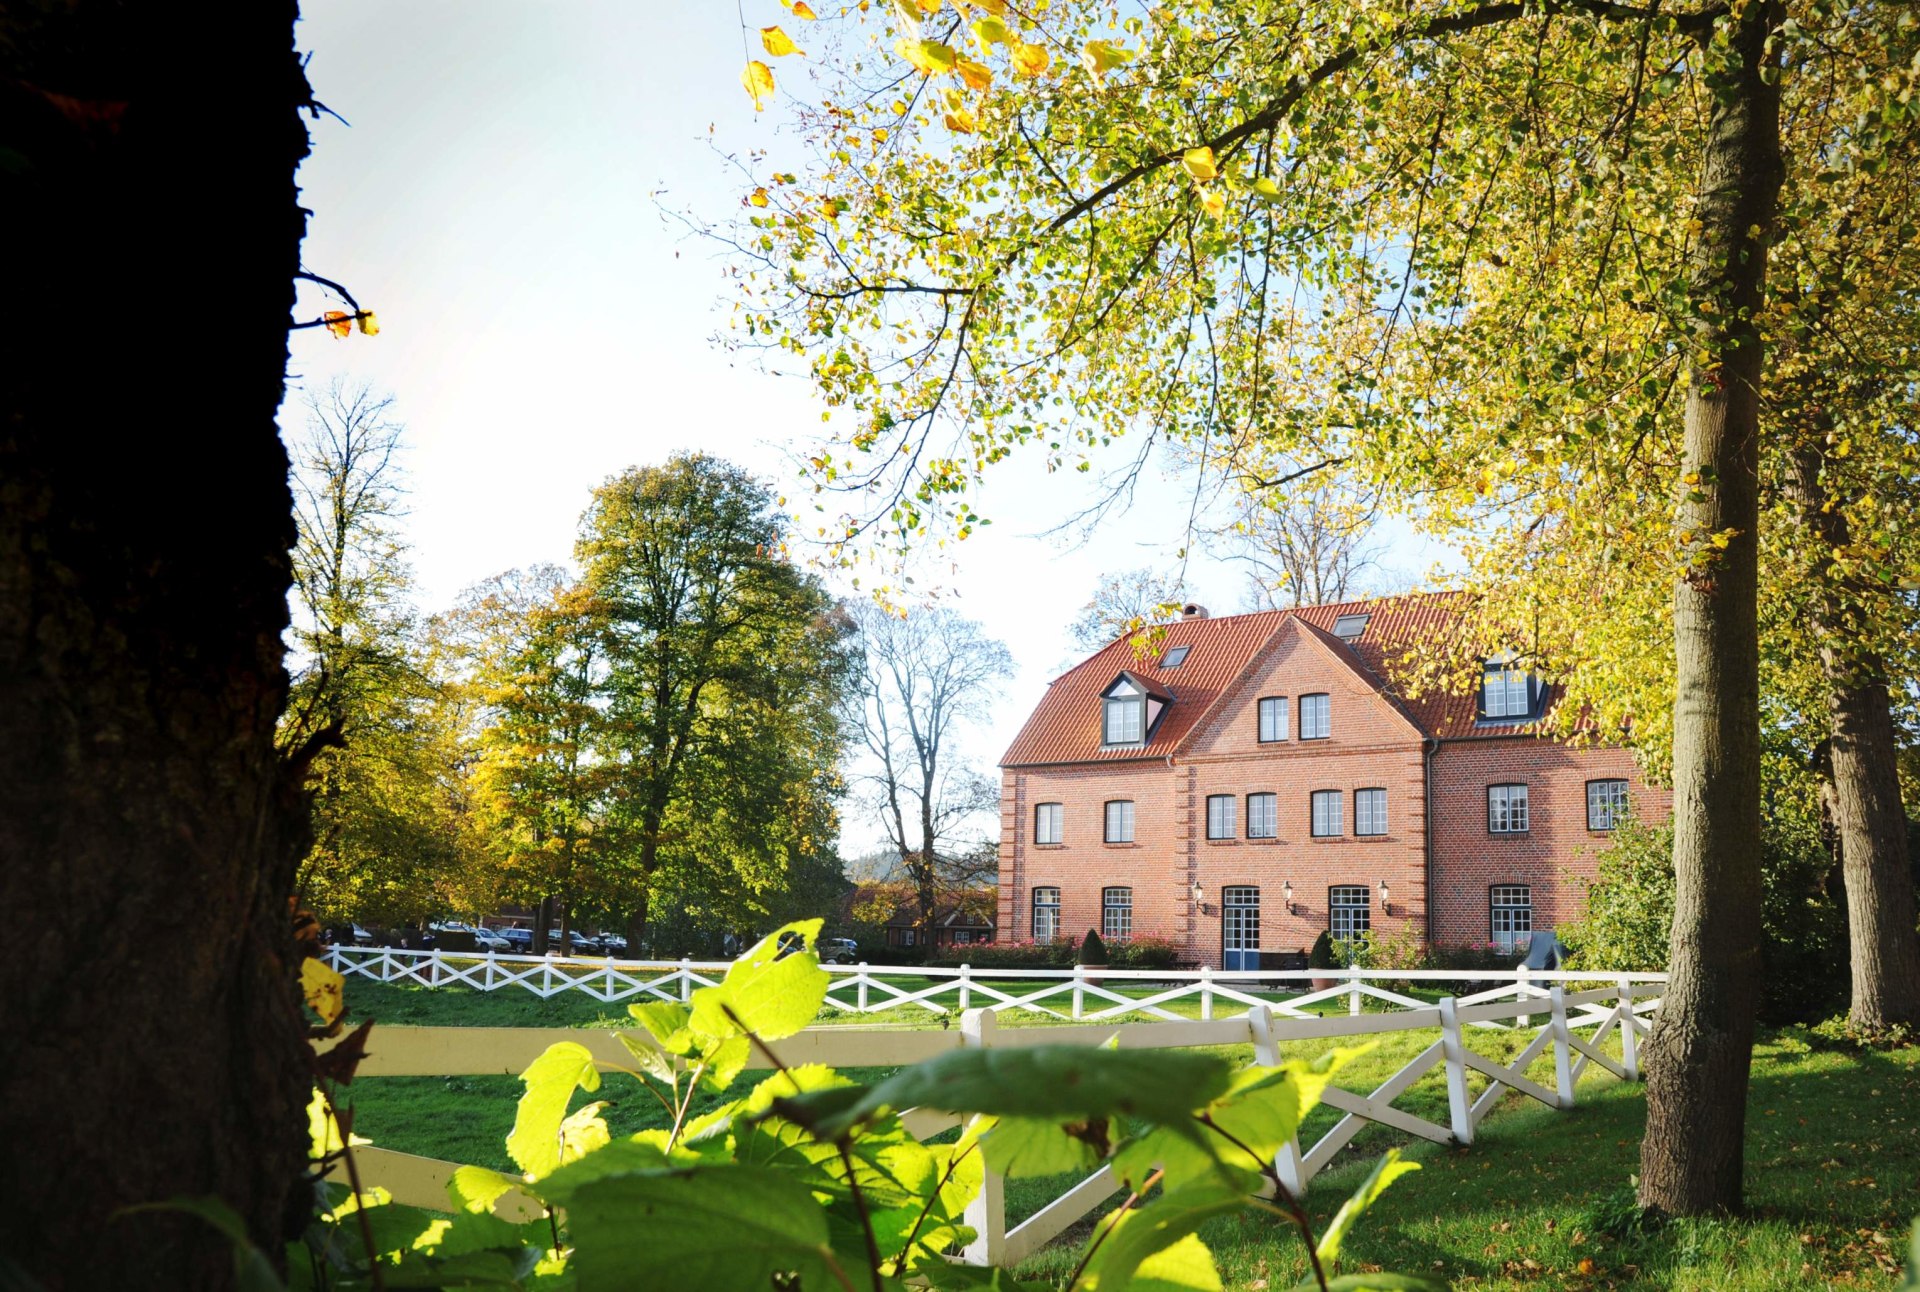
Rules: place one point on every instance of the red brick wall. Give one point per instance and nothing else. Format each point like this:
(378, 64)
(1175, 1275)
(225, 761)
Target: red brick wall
(1553, 856)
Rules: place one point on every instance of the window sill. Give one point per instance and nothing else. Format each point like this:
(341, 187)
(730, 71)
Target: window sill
(1327, 838)
(1373, 838)
(1263, 842)
(1110, 843)
(1508, 834)
(1049, 846)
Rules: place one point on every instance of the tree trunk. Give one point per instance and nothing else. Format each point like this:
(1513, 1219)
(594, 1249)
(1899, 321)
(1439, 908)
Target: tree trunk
(542, 921)
(1700, 1053)
(154, 1044)
(1868, 816)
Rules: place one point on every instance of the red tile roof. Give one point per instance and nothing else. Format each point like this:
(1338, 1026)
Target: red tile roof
(1065, 728)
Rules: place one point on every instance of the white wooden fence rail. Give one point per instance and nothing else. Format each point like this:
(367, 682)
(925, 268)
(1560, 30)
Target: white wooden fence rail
(1621, 1004)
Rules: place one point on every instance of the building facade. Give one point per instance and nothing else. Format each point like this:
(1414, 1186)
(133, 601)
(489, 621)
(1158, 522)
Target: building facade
(1259, 780)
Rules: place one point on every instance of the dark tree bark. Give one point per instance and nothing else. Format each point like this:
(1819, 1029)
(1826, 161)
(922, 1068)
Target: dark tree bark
(1868, 815)
(148, 835)
(1700, 1054)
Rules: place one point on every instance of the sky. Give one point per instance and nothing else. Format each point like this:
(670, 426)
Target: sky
(502, 192)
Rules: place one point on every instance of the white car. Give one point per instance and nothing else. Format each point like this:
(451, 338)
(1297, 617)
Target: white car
(839, 951)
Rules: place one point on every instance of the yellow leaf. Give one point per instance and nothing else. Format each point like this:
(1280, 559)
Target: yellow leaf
(1213, 202)
(990, 31)
(978, 76)
(801, 9)
(960, 122)
(758, 197)
(1102, 56)
(929, 6)
(998, 8)
(778, 43)
(325, 991)
(930, 56)
(757, 80)
(339, 322)
(879, 134)
(1199, 163)
(369, 323)
(1267, 188)
(1029, 60)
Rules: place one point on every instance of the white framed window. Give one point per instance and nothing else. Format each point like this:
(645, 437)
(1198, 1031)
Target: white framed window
(1240, 925)
(1506, 691)
(1123, 717)
(1263, 816)
(1116, 914)
(1273, 719)
(1046, 914)
(1175, 656)
(1120, 821)
(1349, 910)
(1510, 916)
(1316, 717)
(1507, 809)
(1325, 814)
(1606, 804)
(1049, 822)
(1349, 627)
(1220, 822)
(1370, 811)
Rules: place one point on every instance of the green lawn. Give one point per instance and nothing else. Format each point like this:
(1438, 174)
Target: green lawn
(1833, 1160)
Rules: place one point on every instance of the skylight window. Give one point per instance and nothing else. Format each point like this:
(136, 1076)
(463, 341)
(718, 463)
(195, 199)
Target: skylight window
(1348, 627)
(1174, 657)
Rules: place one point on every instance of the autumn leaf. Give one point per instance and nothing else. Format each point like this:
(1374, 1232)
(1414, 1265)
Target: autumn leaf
(991, 31)
(801, 9)
(325, 990)
(1213, 202)
(930, 56)
(758, 197)
(369, 323)
(757, 81)
(1102, 56)
(339, 322)
(960, 122)
(778, 43)
(929, 6)
(998, 8)
(1029, 60)
(978, 76)
(1199, 163)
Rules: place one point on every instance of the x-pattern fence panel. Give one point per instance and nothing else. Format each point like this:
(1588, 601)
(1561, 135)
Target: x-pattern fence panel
(1575, 1028)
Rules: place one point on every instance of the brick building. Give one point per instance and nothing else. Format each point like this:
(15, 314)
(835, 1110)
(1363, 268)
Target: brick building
(1260, 780)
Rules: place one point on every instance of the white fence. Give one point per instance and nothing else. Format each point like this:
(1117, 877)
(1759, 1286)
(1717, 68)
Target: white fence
(1576, 1028)
(1082, 994)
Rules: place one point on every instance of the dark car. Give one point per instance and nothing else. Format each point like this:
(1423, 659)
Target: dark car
(521, 939)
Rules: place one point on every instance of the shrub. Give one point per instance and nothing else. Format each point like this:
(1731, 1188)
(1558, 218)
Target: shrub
(1321, 957)
(1093, 951)
(1146, 951)
(1057, 954)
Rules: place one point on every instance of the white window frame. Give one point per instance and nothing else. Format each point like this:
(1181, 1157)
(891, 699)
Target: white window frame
(1220, 817)
(1108, 832)
(1116, 914)
(1240, 918)
(1316, 718)
(1325, 813)
(1509, 810)
(1369, 812)
(1263, 816)
(1614, 802)
(1049, 827)
(1114, 734)
(1506, 691)
(1347, 917)
(1510, 916)
(1052, 908)
(1270, 718)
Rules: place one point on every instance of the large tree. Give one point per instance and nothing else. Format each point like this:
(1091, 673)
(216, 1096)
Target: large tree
(151, 830)
(1122, 601)
(1485, 249)
(927, 675)
(724, 668)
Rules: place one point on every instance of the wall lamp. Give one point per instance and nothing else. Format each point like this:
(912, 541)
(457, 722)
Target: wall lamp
(1286, 895)
(1197, 892)
(1385, 909)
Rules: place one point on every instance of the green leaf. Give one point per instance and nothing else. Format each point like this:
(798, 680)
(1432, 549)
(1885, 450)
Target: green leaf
(719, 1229)
(652, 1058)
(645, 1151)
(488, 1269)
(1911, 1283)
(725, 1062)
(666, 1022)
(766, 993)
(551, 1079)
(1020, 1147)
(1071, 1083)
(1184, 1266)
(1389, 1168)
(475, 1188)
(1146, 1231)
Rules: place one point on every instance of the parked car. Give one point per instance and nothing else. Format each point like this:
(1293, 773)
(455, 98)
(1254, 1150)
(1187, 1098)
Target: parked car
(839, 951)
(576, 944)
(521, 940)
(491, 940)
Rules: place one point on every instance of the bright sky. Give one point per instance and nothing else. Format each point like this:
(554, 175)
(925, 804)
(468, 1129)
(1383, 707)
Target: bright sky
(499, 199)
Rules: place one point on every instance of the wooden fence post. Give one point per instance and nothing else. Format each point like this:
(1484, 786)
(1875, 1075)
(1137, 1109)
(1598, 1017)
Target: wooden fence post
(986, 1215)
(1079, 990)
(1525, 1020)
(966, 988)
(487, 977)
(1353, 991)
(1453, 1050)
(1629, 1039)
(1287, 1162)
(686, 979)
(860, 990)
(1206, 991)
(1562, 1046)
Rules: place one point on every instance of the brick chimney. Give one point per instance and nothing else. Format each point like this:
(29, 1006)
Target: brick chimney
(1193, 610)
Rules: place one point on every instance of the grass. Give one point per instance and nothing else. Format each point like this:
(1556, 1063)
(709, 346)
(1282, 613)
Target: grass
(1542, 1199)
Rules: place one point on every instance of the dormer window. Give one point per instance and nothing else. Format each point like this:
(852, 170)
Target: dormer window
(1175, 657)
(1506, 689)
(1129, 710)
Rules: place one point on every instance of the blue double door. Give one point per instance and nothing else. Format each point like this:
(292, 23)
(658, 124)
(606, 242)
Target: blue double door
(1240, 927)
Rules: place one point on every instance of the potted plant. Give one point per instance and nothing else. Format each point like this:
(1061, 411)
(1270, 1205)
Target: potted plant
(1321, 957)
(1093, 955)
